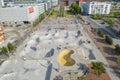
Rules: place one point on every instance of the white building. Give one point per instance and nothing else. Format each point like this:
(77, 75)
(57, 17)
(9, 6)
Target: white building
(11, 15)
(54, 2)
(42, 4)
(1, 3)
(99, 7)
(23, 11)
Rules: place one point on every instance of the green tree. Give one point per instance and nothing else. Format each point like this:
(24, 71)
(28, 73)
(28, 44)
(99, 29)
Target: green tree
(118, 64)
(4, 51)
(116, 14)
(98, 68)
(110, 22)
(100, 33)
(10, 47)
(108, 40)
(75, 8)
(72, 6)
(117, 48)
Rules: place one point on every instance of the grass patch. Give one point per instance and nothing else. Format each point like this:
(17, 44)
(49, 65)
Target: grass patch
(53, 14)
(96, 16)
(110, 21)
(69, 14)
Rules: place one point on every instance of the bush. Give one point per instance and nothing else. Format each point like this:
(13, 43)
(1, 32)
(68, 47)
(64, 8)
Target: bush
(115, 14)
(117, 48)
(4, 51)
(118, 64)
(96, 16)
(110, 22)
(100, 33)
(98, 68)
(108, 40)
(10, 47)
(75, 8)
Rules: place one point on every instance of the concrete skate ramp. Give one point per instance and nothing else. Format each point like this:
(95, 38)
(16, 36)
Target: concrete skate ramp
(64, 58)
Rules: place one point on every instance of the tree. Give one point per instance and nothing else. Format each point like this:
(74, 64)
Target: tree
(98, 68)
(100, 33)
(4, 51)
(10, 47)
(117, 48)
(118, 62)
(108, 40)
(72, 6)
(75, 8)
(110, 22)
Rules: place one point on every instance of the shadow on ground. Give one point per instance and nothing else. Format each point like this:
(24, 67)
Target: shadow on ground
(109, 50)
(100, 40)
(116, 71)
(114, 59)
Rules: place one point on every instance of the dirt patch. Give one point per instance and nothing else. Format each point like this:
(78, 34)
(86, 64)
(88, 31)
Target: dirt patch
(92, 76)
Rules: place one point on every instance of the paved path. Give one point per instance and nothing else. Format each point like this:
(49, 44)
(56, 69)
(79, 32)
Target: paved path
(101, 58)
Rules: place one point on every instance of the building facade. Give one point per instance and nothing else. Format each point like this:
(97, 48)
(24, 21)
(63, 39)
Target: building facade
(22, 11)
(14, 15)
(84, 8)
(1, 3)
(54, 2)
(99, 8)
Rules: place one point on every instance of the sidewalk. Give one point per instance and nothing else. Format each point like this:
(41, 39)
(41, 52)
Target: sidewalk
(101, 56)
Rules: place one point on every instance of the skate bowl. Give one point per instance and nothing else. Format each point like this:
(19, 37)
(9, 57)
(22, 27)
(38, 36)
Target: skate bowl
(64, 58)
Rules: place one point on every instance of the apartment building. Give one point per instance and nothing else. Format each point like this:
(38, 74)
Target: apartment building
(99, 7)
